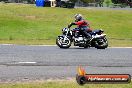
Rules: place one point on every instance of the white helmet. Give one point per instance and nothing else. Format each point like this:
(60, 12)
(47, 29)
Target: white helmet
(78, 17)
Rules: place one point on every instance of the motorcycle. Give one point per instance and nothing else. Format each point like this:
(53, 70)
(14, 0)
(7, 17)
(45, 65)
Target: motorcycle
(97, 40)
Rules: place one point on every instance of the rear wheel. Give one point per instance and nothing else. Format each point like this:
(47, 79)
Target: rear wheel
(63, 42)
(101, 43)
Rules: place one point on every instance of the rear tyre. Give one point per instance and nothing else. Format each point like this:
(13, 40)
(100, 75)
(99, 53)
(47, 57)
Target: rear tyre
(101, 43)
(63, 43)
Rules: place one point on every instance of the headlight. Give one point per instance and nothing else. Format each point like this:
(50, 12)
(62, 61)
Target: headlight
(64, 30)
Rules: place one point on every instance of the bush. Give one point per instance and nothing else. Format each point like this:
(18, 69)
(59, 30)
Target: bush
(88, 1)
(67, 4)
(107, 2)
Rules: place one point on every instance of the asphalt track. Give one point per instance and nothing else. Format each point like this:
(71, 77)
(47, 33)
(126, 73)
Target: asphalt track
(21, 62)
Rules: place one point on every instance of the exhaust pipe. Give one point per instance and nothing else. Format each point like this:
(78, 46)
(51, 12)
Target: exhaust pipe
(99, 36)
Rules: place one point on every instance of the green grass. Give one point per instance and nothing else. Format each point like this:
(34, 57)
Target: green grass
(62, 84)
(27, 24)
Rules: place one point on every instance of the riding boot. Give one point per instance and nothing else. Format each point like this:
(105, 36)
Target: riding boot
(87, 35)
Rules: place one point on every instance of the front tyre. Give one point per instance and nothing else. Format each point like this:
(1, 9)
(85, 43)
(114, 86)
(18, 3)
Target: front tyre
(101, 43)
(63, 42)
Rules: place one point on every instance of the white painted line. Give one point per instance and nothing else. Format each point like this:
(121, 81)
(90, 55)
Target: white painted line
(76, 46)
(26, 45)
(55, 45)
(7, 44)
(119, 47)
(42, 45)
(27, 62)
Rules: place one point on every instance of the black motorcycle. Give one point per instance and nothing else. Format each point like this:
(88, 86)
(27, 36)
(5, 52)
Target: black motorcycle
(97, 40)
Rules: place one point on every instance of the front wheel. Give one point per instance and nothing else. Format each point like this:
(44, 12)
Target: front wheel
(101, 43)
(63, 41)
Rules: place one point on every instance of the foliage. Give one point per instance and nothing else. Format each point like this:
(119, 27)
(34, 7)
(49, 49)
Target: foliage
(73, 1)
(118, 1)
(88, 1)
(3, 0)
(107, 2)
(128, 2)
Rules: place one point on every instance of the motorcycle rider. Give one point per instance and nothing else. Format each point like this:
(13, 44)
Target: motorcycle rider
(83, 25)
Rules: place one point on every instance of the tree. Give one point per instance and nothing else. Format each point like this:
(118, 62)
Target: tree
(88, 1)
(73, 1)
(100, 2)
(128, 2)
(107, 2)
